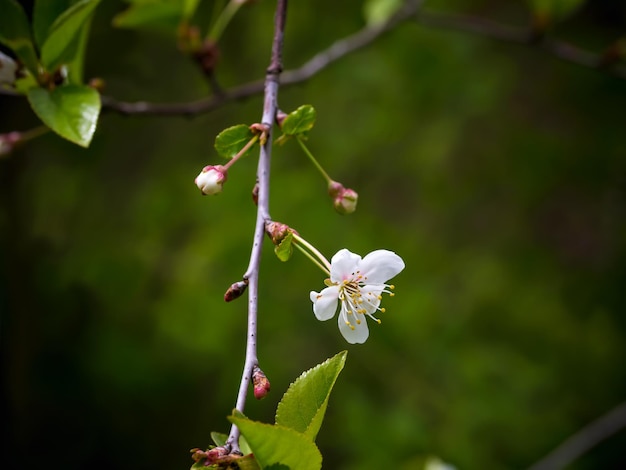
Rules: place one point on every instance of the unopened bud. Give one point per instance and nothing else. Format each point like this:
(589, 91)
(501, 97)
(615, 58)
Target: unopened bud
(260, 383)
(277, 231)
(280, 117)
(216, 455)
(255, 194)
(211, 179)
(345, 203)
(207, 56)
(97, 84)
(344, 199)
(8, 142)
(235, 290)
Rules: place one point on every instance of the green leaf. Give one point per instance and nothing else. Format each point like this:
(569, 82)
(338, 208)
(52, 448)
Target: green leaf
(231, 141)
(278, 446)
(285, 248)
(71, 111)
(303, 406)
(155, 15)
(66, 38)
(377, 12)
(299, 121)
(15, 33)
(45, 12)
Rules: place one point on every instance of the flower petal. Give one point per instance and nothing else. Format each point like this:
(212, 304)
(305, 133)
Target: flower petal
(379, 266)
(371, 299)
(359, 334)
(325, 303)
(343, 264)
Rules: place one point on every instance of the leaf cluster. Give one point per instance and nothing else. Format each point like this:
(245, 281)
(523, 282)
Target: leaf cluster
(51, 53)
(289, 443)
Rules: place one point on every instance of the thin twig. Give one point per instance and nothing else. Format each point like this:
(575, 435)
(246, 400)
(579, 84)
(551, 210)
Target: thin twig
(263, 179)
(523, 36)
(583, 440)
(411, 11)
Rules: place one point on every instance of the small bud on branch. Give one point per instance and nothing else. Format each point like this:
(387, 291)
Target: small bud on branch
(277, 231)
(260, 383)
(211, 179)
(236, 290)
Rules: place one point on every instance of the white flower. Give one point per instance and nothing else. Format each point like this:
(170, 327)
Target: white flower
(211, 179)
(358, 284)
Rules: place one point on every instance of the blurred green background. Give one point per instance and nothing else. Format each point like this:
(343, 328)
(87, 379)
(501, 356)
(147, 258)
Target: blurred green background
(496, 171)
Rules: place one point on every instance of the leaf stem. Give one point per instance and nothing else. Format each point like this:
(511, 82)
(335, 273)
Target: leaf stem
(313, 160)
(242, 151)
(223, 19)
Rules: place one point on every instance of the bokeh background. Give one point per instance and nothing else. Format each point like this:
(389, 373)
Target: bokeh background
(496, 171)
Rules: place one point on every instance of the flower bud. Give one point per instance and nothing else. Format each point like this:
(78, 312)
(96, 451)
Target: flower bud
(260, 383)
(235, 290)
(211, 179)
(344, 199)
(345, 203)
(255, 194)
(277, 231)
(8, 142)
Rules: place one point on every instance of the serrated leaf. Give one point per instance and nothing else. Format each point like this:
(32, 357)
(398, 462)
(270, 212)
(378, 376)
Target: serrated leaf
(299, 121)
(377, 12)
(15, 33)
(275, 445)
(303, 406)
(232, 140)
(65, 36)
(71, 111)
(152, 15)
(284, 249)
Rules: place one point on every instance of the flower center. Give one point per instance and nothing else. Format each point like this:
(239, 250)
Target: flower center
(356, 303)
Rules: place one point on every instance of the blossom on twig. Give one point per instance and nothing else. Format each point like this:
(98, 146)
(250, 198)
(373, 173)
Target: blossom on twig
(357, 284)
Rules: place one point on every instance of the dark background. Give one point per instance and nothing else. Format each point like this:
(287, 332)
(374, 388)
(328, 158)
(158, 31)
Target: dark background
(496, 171)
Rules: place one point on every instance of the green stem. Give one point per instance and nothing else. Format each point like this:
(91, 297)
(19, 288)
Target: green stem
(222, 21)
(242, 151)
(312, 249)
(312, 258)
(34, 133)
(313, 160)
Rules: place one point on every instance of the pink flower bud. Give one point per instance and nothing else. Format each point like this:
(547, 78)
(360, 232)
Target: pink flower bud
(277, 231)
(345, 202)
(8, 142)
(211, 179)
(260, 383)
(235, 290)
(335, 188)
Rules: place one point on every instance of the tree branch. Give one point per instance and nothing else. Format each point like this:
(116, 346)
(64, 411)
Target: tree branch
(410, 11)
(263, 180)
(583, 440)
